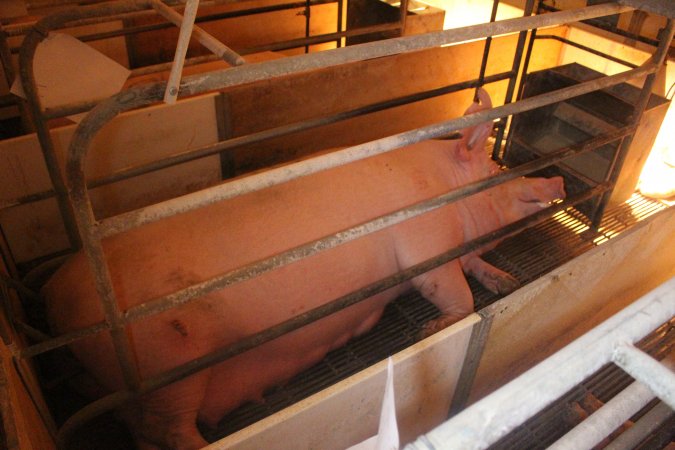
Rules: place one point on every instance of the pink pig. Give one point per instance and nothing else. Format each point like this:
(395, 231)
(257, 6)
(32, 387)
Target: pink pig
(162, 257)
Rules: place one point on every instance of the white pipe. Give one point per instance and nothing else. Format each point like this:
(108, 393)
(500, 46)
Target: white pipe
(614, 413)
(646, 369)
(491, 418)
(602, 422)
(646, 425)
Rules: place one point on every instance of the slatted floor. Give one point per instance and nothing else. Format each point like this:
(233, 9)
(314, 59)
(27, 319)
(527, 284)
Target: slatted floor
(526, 256)
(557, 419)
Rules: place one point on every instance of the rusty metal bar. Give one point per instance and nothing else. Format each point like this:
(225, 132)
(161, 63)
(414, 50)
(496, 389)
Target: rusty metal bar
(587, 49)
(257, 137)
(119, 398)
(311, 248)
(486, 50)
(657, 59)
(272, 177)
(214, 45)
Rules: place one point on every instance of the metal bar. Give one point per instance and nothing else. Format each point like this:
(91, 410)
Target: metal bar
(477, 341)
(517, 60)
(303, 251)
(646, 370)
(289, 172)
(665, 39)
(616, 411)
(119, 398)
(458, 193)
(161, 26)
(186, 26)
(216, 47)
(254, 138)
(403, 15)
(602, 422)
(643, 427)
(614, 30)
(492, 417)
(587, 49)
(27, 74)
(299, 63)
(486, 50)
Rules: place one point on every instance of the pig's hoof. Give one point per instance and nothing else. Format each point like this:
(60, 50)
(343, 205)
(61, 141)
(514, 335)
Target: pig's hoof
(436, 325)
(506, 283)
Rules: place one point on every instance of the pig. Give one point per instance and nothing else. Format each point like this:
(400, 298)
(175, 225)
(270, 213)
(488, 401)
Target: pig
(162, 257)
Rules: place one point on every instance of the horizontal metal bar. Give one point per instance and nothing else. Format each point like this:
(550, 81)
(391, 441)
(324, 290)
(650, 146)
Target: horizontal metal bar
(303, 251)
(647, 370)
(157, 306)
(492, 417)
(77, 108)
(120, 223)
(586, 48)
(257, 137)
(608, 418)
(62, 340)
(119, 398)
(643, 427)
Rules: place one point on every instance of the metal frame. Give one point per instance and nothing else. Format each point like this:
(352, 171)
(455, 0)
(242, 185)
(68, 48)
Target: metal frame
(92, 231)
(492, 417)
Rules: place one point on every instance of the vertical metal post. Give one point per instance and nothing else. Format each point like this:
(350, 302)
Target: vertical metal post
(30, 43)
(403, 14)
(486, 51)
(515, 69)
(224, 124)
(307, 22)
(340, 11)
(8, 71)
(665, 38)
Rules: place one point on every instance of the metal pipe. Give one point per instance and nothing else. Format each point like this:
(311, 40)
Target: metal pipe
(515, 68)
(254, 138)
(289, 172)
(643, 427)
(303, 251)
(587, 49)
(119, 398)
(615, 412)
(216, 47)
(486, 50)
(456, 194)
(492, 417)
(602, 422)
(647, 370)
(665, 39)
(164, 25)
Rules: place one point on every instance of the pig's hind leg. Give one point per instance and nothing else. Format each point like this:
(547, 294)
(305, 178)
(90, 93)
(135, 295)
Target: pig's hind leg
(492, 278)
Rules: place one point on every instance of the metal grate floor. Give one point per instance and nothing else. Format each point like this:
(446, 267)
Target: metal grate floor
(527, 256)
(557, 419)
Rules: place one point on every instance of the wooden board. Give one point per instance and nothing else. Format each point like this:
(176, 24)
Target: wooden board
(130, 139)
(544, 316)
(328, 91)
(425, 376)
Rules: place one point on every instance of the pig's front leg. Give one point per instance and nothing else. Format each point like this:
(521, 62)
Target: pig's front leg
(492, 278)
(446, 288)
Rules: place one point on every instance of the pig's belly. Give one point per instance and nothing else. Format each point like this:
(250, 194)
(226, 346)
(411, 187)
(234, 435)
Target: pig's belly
(247, 376)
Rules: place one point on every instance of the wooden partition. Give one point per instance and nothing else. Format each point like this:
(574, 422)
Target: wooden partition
(536, 321)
